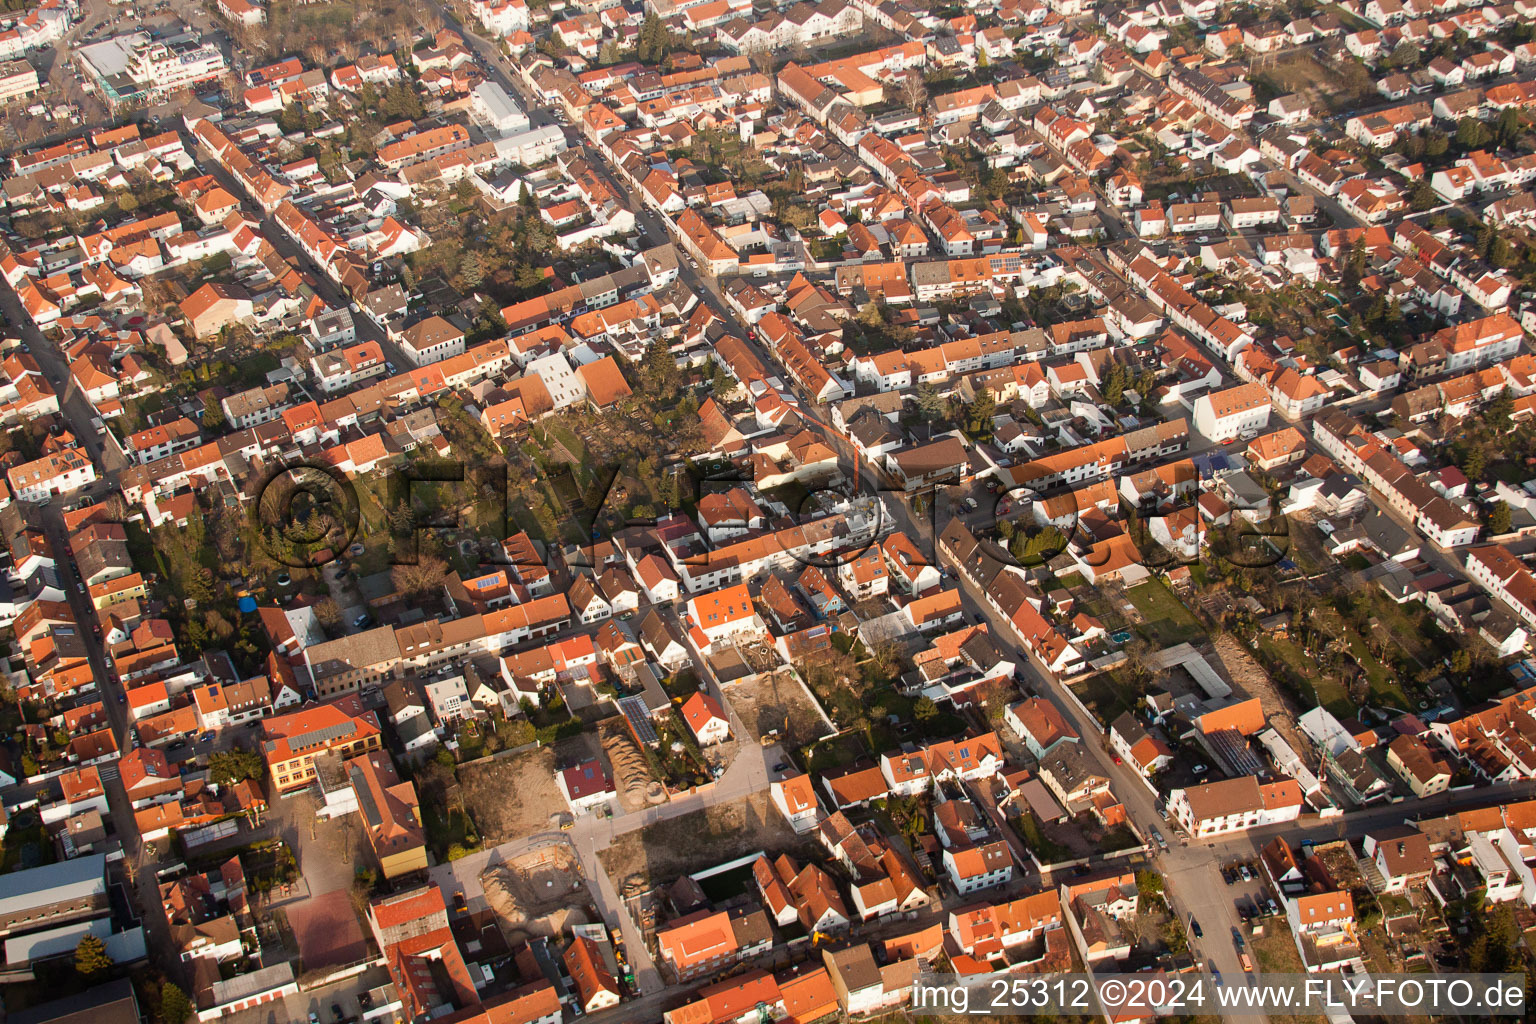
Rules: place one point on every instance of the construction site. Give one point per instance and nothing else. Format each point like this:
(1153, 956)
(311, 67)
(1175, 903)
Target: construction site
(541, 893)
(511, 797)
(637, 787)
(775, 707)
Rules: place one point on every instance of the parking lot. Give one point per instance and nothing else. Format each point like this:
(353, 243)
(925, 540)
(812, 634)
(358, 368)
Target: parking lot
(1245, 885)
(320, 1004)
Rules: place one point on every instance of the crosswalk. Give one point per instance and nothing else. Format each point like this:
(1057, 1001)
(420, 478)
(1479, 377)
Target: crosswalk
(108, 771)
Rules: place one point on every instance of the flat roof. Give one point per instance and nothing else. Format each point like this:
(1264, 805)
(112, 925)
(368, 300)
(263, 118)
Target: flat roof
(113, 56)
(53, 883)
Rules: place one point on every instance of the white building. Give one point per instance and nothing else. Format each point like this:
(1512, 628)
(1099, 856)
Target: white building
(1506, 578)
(493, 109)
(165, 67)
(501, 17)
(18, 80)
(1224, 415)
(975, 867)
(585, 786)
(56, 473)
(430, 341)
(566, 387)
(706, 719)
(1234, 805)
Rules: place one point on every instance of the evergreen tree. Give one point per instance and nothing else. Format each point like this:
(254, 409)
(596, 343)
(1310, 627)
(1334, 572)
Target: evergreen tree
(1500, 519)
(1502, 253)
(1482, 241)
(1508, 127)
(91, 957)
(979, 413)
(174, 1005)
(213, 416)
(1471, 133)
(930, 403)
(1475, 463)
(471, 270)
(655, 41)
(227, 767)
(1421, 196)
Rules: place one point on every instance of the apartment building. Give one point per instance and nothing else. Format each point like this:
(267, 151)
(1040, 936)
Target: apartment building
(423, 146)
(167, 66)
(57, 473)
(290, 743)
(430, 341)
(1506, 578)
(1234, 805)
(18, 80)
(1224, 415)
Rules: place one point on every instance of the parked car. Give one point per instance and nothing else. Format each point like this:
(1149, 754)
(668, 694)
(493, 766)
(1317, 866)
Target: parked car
(1194, 926)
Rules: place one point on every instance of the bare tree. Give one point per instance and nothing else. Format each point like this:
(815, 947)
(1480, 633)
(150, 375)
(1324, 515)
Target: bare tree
(327, 611)
(421, 579)
(430, 19)
(761, 58)
(914, 91)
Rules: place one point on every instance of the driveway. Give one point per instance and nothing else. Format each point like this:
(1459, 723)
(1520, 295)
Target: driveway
(296, 1008)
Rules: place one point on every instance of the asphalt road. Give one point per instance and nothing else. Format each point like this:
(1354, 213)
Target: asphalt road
(73, 407)
(1192, 872)
(141, 857)
(367, 329)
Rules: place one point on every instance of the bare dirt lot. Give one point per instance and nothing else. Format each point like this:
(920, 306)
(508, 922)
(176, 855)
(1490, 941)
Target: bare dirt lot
(631, 774)
(775, 701)
(540, 893)
(663, 851)
(1327, 85)
(1238, 665)
(514, 796)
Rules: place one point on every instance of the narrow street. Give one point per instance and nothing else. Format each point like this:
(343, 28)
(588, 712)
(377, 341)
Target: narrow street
(1192, 870)
(367, 329)
(73, 407)
(139, 860)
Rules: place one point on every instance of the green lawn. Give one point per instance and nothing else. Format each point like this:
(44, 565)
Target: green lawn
(1028, 828)
(1385, 686)
(449, 832)
(1105, 696)
(1325, 690)
(1165, 619)
(831, 753)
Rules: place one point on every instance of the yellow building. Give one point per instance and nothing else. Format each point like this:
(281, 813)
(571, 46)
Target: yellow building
(291, 742)
(391, 814)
